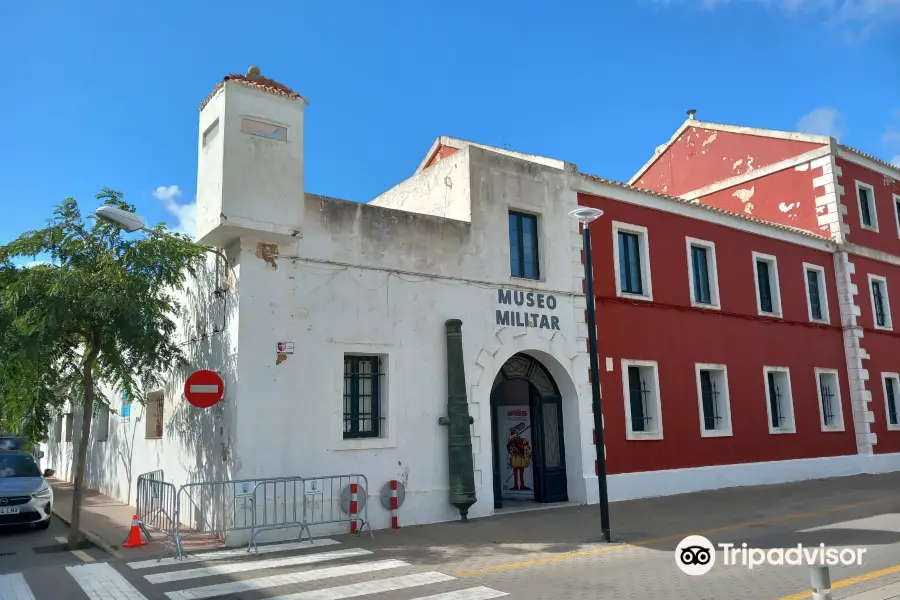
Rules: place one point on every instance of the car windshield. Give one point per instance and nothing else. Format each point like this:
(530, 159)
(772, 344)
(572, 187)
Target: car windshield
(16, 465)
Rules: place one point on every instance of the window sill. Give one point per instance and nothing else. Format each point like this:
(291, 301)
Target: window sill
(893, 427)
(832, 428)
(884, 327)
(872, 228)
(782, 431)
(820, 321)
(628, 296)
(715, 434)
(153, 438)
(771, 315)
(364, 444)
(638, 437)
(703, 306)
(529, 279)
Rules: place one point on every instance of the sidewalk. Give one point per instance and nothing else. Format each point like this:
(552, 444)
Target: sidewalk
(562, 542)
(106, 522)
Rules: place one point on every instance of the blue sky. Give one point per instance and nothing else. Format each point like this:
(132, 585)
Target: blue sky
(105, 93)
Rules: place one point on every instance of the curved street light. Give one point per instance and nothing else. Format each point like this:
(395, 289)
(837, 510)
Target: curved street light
(586, 215)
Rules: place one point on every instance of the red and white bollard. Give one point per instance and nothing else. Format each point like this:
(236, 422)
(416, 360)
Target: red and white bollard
(354, 506)
(395, 504)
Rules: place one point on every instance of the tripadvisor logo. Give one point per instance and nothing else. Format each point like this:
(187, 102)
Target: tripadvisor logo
(696, 555)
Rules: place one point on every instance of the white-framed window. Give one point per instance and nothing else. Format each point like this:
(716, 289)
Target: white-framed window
(891, 385)
(779, 400)
(715, 405)
(831, 413)
(702, 273)
(868, 216)
(154, 412)
(631, 261)
(103, 423)
(266, 130)
(211, 132)
(768, 291)
(68, 425)
(816, 296)
(897, 212)
(881, 304)
(643, 410)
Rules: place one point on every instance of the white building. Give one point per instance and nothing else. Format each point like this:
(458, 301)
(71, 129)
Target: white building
(366, 287)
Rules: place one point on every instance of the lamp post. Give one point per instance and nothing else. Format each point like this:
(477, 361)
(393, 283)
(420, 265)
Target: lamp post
(131, 222)
(585, 216)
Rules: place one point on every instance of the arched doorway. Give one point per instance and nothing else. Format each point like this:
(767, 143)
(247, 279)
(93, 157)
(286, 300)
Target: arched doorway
(526, 414)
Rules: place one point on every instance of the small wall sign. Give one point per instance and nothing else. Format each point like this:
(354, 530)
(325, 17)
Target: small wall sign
(285, 348)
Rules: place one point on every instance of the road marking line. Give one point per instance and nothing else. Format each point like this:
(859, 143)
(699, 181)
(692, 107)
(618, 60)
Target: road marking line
(475, 593)
(84, 556)
(241, 567)
(61, 540)
(238, 553)
(101, 582)
(236, 587)
(14, 587)
(678, 537)
(842, 583)
(380, 586)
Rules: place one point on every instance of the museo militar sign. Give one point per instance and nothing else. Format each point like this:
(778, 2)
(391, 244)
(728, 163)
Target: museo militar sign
(527, 309)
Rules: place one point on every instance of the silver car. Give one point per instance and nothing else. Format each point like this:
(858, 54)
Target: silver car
(25, 498)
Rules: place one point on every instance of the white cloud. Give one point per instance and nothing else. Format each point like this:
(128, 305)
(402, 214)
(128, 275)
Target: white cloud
(823, 121)
(186, 214)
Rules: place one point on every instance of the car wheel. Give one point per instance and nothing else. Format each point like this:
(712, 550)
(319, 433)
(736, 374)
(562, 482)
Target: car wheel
(42, 525)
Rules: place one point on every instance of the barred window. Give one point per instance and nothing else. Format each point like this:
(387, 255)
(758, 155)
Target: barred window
(154, 415)
(362, 396)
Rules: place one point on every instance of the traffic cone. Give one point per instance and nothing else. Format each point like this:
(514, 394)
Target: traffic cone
(134, 536)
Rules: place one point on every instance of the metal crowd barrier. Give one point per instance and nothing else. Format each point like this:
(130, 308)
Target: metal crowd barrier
(156, 504)
(306, 502)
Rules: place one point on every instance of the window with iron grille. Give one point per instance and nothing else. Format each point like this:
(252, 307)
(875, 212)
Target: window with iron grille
(713, 388)
(766, 279)
(880, 305)
(867, 214)
(829, 400)
(154, 414)
(891, 389)
(815, 295)
(362, 396)
(523, 246)
(780, 402)
(641, 387)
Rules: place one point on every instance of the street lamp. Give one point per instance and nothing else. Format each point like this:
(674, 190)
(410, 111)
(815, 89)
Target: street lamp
(131, 222)
(586, 215)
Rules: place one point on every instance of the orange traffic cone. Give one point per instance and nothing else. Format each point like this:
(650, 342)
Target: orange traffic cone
(134, 539)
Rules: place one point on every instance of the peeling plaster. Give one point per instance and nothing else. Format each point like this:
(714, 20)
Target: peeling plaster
(664, 188)
(783, 207)
(267, 252)
(749, 163)
(281, 358)
(745, 194)
(711, 138)
(748, 208)
(736, 164)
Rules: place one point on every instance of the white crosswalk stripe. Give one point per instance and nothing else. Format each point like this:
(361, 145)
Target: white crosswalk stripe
(299, 575)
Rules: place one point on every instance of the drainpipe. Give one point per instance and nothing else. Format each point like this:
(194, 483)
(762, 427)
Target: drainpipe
(457, 422)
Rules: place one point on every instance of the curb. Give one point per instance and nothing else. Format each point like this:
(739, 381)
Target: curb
(92, 537)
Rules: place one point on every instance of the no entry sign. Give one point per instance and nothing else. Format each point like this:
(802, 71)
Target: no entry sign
(204, 388)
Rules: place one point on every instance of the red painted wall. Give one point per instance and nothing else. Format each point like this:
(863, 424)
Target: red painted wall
(700, 157)
(786, 197)
(441, 152)
(883, 346)
(670, 332)
(886, 239)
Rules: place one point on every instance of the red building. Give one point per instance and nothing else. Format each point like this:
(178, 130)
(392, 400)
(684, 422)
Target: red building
(852, 199)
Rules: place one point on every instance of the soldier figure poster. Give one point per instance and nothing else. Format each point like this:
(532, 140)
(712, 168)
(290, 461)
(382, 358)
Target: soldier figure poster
(514, 432)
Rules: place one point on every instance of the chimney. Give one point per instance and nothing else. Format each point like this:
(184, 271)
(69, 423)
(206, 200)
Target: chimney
(691, 112)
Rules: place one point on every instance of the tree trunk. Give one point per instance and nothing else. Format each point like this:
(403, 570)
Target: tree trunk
(87, 366)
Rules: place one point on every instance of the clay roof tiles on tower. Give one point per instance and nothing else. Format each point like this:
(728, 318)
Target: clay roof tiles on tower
(255, 79)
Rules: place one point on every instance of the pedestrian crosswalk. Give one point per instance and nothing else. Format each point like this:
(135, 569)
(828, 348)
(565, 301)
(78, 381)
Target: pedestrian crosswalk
(288, 571)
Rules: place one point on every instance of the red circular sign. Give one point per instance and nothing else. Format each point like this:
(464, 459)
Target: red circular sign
(204, 388)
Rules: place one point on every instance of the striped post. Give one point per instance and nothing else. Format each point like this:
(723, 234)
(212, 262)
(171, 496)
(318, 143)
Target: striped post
(354, 506)
(395, 504)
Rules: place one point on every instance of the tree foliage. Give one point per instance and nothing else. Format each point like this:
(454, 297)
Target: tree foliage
(100, 310)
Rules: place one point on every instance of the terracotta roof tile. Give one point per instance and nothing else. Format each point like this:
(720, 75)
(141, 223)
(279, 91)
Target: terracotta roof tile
(254, 79)
(625, 186)
(870, 157)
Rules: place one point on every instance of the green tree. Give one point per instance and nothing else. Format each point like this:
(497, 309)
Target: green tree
(100, 311)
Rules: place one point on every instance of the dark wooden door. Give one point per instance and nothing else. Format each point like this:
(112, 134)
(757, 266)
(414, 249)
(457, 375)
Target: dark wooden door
(549, 451)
